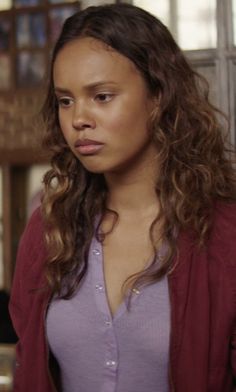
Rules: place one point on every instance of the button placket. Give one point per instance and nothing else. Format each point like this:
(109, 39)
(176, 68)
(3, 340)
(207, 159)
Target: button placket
(96, 252)
(110, 358)
(110, 363)
(99, 288)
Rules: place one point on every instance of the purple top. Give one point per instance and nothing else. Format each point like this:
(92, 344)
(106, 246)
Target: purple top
(97, 352)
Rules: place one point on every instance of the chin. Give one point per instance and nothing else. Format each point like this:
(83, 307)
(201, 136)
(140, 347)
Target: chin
(102, 166)
(92, 168)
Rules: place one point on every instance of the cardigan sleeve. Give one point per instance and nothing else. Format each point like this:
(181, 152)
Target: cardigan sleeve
(233, 346)
(28, 270)
(230, 253)
(227, 233)
(233, 356)
(28, 276)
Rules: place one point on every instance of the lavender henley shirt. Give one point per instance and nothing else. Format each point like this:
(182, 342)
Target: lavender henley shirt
(96, 352)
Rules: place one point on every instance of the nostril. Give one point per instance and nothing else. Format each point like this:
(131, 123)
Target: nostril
(83, 124)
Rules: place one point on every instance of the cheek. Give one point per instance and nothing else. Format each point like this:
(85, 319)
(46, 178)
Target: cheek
(135, 115)
(122, 121)
(132, 126)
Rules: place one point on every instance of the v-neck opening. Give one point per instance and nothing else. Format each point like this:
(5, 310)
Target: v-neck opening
(102, 298)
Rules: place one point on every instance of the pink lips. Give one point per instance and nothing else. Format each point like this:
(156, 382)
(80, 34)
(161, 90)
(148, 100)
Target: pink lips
(88, 147)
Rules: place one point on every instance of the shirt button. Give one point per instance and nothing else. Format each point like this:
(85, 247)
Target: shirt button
(99, 287)
(96, 252)
(108, 323)
(136, 291)
(110, 363)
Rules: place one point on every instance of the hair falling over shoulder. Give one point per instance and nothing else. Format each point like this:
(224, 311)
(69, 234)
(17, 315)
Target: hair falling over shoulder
(195, 164)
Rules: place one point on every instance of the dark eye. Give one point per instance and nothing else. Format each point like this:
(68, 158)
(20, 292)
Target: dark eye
(104, 97)
(65, 101)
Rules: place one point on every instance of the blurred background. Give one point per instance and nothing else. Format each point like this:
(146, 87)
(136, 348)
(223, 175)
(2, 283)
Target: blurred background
(204, 29)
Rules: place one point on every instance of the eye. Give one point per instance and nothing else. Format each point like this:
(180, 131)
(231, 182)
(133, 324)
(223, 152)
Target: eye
(64, 102)
(104, 97)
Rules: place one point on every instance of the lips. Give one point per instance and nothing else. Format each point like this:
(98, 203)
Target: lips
(88, 146)
(86, 142)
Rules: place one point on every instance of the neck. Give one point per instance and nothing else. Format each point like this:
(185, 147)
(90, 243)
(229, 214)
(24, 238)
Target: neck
(132, 193)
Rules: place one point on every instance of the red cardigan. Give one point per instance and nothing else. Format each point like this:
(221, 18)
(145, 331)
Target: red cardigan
(203, 310)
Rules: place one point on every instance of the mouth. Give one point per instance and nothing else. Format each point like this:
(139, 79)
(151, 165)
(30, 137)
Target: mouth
(88, 146)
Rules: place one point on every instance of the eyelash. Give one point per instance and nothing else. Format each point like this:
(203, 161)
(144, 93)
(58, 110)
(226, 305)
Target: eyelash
(66, 102)
(106, 95)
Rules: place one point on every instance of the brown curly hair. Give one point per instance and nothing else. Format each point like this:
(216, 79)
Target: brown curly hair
(195, 166)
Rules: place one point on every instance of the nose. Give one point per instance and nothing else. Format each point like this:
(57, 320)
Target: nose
(82, 118)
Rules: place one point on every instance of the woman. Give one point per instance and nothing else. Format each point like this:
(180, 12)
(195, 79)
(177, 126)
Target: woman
(125, 279)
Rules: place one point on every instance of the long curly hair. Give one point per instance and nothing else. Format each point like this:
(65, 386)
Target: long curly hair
(194, 161)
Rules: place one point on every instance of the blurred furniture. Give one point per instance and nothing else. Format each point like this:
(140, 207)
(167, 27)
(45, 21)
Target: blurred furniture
(7, 359)
(28, 30)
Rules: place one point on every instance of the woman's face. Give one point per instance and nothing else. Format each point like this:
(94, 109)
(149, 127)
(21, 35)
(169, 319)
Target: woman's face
(104, 107)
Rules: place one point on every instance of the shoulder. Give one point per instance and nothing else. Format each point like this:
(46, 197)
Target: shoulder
(32, 252)
(223, 234)
(34, 226)
(224, 220)
(29, 274)
(225, 212)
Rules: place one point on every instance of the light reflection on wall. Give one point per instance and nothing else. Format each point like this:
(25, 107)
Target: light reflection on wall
(234, 20)
(88, 3)
(35, 177)
(197, 24)
(5, 4)
(193, 23)
(159, 8)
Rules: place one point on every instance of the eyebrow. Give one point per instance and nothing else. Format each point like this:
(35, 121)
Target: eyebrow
(89, 87)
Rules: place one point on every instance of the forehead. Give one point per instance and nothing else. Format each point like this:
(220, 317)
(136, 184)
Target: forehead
(87, 59)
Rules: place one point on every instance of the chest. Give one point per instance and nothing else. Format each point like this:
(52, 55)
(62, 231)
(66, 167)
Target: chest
(125, 254)
(95, 349)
